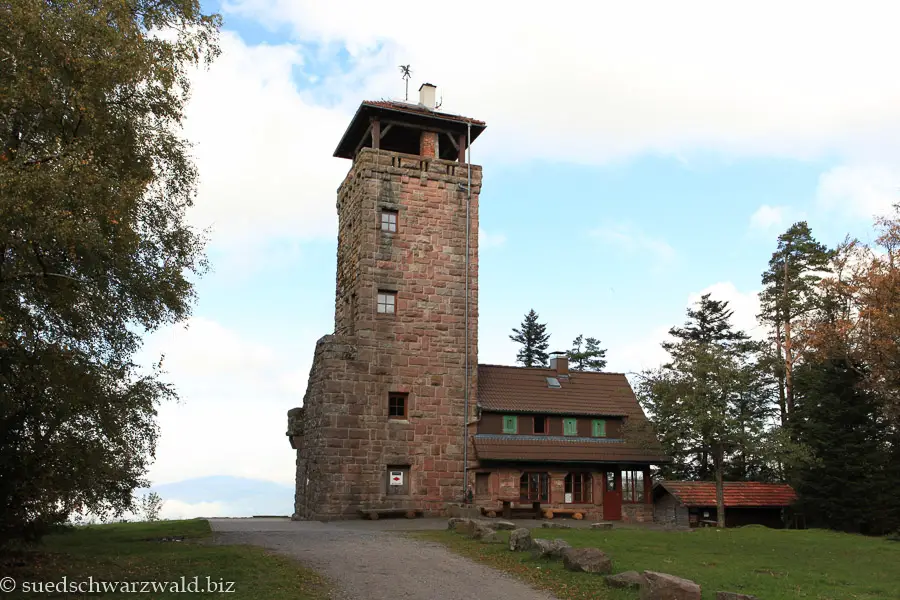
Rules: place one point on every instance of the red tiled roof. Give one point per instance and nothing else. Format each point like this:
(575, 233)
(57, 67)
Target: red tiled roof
(528, 448)
(417, 109)
(525, 390)
(737, 493)
(522, 390)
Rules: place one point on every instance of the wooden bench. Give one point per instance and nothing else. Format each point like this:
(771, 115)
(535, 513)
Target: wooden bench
(576, 513)
(375, 513)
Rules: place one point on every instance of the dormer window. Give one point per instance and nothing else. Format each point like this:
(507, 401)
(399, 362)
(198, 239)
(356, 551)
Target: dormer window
(388, 220)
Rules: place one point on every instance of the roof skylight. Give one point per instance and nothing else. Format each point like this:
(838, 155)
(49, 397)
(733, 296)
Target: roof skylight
(553, 382)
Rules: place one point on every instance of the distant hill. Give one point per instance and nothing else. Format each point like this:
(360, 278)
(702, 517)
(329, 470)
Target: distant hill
(225, 496)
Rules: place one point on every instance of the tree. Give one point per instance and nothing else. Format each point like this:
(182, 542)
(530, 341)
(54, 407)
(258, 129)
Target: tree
(706, 403)
(149, 506)
(94, 248)
(589, 358)
(534, 339)
(789, 293)
(709, 323)
(848, 482)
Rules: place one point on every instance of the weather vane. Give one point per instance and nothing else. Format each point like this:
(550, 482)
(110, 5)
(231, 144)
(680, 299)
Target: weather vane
(406, 74)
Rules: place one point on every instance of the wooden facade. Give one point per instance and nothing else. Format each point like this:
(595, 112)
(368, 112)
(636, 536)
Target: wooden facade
(550, 442)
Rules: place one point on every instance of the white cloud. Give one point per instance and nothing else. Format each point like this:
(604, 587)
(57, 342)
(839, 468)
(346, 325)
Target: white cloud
(263, 152)
(859, 190)
(175, 509)
(768, 218)
(236, 392)
(645, 351)
(661, 77)
(490, 240)
(694, 77)
(629, 239)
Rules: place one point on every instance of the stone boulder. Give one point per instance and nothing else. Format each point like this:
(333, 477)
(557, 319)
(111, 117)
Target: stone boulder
(734, 596)
(481, 531)
(520, 540)
(587, 560)
(662, 586)
(629, 579)
(501, 525)
(542, 548)
(606, 525)
(490, 537)
(452, 522)
(554, 525)
(465, 527)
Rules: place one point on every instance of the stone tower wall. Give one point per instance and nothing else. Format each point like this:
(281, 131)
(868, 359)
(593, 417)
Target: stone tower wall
(344, 438)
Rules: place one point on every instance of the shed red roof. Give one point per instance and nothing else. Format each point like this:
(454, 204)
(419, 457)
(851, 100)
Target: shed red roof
(737, 493)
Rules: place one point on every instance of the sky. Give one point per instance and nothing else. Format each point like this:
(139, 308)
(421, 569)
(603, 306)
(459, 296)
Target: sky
(636, 156)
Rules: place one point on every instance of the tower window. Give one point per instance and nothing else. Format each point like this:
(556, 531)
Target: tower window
(387, 302)
(389, 220)
(398, 405)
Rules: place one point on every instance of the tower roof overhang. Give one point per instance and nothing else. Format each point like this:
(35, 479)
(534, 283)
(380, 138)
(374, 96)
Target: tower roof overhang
(402, 115)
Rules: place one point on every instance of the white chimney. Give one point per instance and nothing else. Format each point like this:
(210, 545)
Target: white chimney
(426, 95)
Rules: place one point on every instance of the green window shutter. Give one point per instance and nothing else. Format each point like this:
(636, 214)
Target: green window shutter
(510, 424)
(599, 428)
(570, 427)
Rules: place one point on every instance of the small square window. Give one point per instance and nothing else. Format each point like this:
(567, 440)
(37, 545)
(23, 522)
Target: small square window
(389, 220)
(570, 427)
(398, 405)
(510, 424)
(540, 424)
(599, 428)
(387, 302)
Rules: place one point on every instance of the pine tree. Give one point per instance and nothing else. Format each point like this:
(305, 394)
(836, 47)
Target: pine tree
(848, 483)
(789, 292)
(590, 357)
(534, 339)
(707, 402)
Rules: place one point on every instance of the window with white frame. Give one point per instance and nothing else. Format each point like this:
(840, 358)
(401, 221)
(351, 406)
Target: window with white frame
(387, 302)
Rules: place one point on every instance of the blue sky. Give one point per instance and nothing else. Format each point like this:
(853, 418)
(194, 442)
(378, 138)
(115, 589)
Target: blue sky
(635, 157)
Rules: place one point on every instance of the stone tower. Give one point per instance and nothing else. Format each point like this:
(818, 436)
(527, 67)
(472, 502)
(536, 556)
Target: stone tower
(383, 420)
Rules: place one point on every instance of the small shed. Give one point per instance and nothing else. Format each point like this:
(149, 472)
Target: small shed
(693, 503)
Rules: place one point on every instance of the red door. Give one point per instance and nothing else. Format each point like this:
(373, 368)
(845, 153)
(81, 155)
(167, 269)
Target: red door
(612, 496)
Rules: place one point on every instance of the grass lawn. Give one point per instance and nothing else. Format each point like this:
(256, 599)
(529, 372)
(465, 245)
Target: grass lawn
(130, 552)
(772, 564)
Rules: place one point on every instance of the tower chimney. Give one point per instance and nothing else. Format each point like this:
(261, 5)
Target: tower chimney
(426, 95)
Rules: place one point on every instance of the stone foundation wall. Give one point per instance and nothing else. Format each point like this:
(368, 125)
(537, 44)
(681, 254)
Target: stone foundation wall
(637, 513)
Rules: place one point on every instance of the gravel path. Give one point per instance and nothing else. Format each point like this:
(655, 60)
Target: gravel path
(370, 564)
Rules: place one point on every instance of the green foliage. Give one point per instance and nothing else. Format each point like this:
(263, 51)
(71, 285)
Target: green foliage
(848, 482)
(587, 355)
(711, 397)
(768, 563)
(134, 552)
(534, 338)
(94, 249)
(790, 293)
(149, 506)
